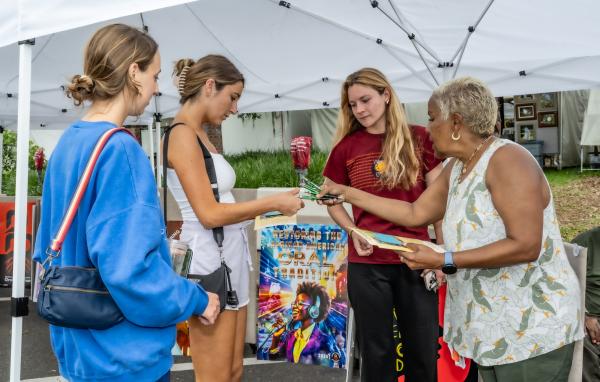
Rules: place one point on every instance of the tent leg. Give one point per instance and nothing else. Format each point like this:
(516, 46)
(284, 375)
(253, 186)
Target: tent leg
(350, 341)
(18, 287)
(581, 158)
(158, 153)
(151, 139)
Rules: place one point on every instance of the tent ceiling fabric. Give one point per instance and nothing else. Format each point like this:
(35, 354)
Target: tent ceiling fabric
(25, 19)
(296, 57)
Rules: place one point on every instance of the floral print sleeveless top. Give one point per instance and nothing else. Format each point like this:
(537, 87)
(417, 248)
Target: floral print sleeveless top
(502, 315)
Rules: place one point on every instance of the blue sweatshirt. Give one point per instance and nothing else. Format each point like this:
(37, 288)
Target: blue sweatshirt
(118, 229)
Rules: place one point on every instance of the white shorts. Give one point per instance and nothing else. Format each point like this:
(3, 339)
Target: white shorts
(235, 251)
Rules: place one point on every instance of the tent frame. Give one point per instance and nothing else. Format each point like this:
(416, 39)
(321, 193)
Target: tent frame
(581, 168)
(433, 66)
(19, 303)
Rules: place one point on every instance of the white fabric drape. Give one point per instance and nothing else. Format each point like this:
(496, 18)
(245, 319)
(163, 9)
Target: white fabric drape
(572, 109)
(590, 134)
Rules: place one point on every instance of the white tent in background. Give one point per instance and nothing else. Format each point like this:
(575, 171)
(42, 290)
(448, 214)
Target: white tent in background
(294, 55)
(590, 134)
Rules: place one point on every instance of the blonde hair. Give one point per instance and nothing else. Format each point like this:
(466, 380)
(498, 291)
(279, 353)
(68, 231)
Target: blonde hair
(398, 152)
(192, 75)
(108, 55)
(470, 98)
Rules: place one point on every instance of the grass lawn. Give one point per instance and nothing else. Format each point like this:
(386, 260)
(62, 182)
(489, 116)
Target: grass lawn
(577, 200)
(256, 169)
(567, 175)
(576, 195)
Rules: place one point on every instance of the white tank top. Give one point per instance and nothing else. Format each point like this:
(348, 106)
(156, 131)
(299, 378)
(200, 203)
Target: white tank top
(199, 238)
(503, 315)
(225, 179)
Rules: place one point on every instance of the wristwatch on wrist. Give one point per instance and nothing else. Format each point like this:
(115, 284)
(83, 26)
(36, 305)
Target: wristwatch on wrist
(449, 267)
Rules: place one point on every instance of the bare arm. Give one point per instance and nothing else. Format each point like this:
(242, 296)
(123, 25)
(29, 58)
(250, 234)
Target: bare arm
(520, 193)
(428, 209)
(341, 217)
(185, 157)
(430, 178)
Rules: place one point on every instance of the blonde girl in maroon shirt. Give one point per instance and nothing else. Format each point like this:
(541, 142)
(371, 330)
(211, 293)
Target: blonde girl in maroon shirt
(377, 151)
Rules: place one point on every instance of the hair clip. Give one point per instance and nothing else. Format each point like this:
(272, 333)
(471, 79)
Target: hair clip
(181, 81)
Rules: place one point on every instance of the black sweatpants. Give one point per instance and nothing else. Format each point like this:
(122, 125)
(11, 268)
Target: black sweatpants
(374, 290)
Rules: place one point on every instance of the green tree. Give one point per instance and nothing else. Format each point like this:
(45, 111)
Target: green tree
(9, 165)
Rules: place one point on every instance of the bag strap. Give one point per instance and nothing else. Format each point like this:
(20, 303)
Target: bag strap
(165, 164)
(56, 244)
(218, 233)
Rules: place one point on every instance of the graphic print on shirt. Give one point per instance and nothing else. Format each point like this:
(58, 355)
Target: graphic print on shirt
(365, 170)
(378, 167)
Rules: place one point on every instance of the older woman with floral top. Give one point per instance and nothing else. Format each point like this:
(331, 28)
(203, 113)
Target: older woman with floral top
(513, 300)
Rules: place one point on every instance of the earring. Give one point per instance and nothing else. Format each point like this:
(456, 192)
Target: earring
(387, 101)
(455, 138)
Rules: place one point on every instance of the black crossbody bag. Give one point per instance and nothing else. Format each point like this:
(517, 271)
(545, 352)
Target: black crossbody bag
(219, 281)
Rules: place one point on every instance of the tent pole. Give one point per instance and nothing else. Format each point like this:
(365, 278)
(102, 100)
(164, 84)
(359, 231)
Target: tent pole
(19, 303)
(157, 117)
(560, 130)
(412, 36)
(151, 139)
(463, 46)
(347, 28)
(413, 71)
(471, 29)
(350, 343)
(422, 43)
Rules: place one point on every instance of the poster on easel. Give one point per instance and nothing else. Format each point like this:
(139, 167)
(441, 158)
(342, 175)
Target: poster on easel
(302, 295)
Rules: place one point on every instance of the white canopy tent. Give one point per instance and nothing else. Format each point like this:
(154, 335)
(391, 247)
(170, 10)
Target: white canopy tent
(294, 56)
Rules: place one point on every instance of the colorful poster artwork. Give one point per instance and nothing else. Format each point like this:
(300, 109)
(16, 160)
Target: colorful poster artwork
(302, 295)
(7, 236)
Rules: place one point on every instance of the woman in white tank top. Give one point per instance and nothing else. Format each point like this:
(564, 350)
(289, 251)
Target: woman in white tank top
(210, 89)
(512, 301)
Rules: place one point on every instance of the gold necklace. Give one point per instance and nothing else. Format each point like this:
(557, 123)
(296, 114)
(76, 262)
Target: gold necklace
(463, 170)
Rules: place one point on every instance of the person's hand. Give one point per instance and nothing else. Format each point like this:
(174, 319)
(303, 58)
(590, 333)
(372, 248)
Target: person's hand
(423, 257)
(288, 202)
(211, 312)
(332, 188)
(280, 324)
(439, 275)
(592, 326)
(363, 248)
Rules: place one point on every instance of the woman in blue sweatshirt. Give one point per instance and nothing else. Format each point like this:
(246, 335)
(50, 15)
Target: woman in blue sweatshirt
(118, 227)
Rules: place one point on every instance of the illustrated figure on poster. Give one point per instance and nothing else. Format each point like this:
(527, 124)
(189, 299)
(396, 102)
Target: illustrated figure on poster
(274, 301)
(304, 339)
(341, 283)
